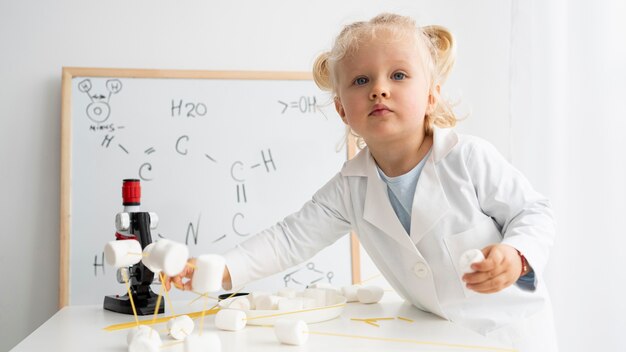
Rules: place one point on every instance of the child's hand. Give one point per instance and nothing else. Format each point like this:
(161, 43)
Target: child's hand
(177, 280)
(500, 269)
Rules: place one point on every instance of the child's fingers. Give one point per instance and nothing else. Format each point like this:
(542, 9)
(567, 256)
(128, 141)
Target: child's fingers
(177, 281)
(166, 283)
(479, 277)
(493, 259)
(492, 285)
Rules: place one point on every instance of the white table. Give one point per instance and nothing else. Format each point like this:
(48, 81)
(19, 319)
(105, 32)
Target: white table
(80, 328)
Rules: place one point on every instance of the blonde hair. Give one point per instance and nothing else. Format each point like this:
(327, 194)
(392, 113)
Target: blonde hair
(435, 43)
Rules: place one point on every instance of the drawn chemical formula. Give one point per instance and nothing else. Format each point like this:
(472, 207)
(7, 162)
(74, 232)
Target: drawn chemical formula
(105, 128)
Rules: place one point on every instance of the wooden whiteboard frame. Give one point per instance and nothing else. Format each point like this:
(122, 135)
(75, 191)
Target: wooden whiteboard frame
(69, 73)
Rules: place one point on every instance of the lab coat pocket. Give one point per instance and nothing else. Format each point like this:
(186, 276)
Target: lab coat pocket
(480, 236)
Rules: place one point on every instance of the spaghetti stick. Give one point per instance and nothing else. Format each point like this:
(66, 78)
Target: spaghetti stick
(202, 316)
(130, 296)
(200, 295)
(158, 303)
(371, 319)
(128, 325)
(167, 296)
(417, 342)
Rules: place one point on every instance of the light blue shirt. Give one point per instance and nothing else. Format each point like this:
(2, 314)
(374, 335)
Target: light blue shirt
(401, 190)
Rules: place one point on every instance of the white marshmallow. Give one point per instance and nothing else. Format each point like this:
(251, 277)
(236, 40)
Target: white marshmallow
(169, 256)
(207, 275)
(143, 343)
(296, 303)
(175, 259)
(241, 303)
(147, 260)
(291, 332)
(318, 294)
(138, 330)
(286, 292)
(122, 253)
(143, 339)
(468, 258)
(267, 302)
(252, 297)
(349, 292)
(208, 341)
(180, 327)
(369, 294)
(230, 319)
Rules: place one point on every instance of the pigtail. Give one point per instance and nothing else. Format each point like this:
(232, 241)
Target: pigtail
(443, 53)
(443, 50)
(321, 72)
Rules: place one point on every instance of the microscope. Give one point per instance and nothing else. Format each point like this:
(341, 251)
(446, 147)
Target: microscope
(136, 225)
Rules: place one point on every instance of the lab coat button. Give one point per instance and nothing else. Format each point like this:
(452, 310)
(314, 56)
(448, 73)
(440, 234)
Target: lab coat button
(421, 270)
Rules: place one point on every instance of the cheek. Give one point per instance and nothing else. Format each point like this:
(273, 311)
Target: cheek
(349, 103)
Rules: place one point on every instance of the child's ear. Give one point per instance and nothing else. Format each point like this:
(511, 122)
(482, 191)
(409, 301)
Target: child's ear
(340, 110)
(432, 98)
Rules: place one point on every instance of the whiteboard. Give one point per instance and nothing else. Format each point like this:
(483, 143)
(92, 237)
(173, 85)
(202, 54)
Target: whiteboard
(220, 157)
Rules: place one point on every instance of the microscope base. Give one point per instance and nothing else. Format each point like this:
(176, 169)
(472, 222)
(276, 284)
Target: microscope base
(144, 305)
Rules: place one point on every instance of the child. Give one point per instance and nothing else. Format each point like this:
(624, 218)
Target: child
(418, 195)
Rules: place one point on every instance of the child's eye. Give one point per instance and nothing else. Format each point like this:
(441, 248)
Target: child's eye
(359, 81)
(399, 76)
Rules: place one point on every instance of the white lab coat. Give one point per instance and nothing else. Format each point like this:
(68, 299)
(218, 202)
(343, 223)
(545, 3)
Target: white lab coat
(468, 196)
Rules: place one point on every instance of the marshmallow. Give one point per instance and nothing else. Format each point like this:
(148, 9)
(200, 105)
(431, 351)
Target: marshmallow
(369, 294)
(291, 332)
(147, 260)
(143, 339)
(286, 292)
(207, 276)
(318, 294)
(349, 292)
(468, 258)
(241, 303)
(253, 296)
(169, 256)
(267, 302)
(230, 319)
(180, 327)
(296, 303)
(122, 253)
(208, 341)
(143, 343)
(141, 329)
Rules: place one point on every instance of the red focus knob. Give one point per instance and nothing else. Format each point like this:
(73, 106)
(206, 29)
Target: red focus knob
(131, 192)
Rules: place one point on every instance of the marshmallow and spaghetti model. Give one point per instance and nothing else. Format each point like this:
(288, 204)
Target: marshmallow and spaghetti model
(125, 253)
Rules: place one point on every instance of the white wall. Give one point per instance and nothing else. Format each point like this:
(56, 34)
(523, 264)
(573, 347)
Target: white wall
(568, 123)
(38, 38)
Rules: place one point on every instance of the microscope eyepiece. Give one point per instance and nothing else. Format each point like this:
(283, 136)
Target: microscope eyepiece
(131, 192)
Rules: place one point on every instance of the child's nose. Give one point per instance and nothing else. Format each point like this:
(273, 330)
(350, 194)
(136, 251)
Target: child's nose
(379, 91)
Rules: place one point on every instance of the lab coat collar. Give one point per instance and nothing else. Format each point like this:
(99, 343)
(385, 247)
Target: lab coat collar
(444, 139)
(431, 204)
